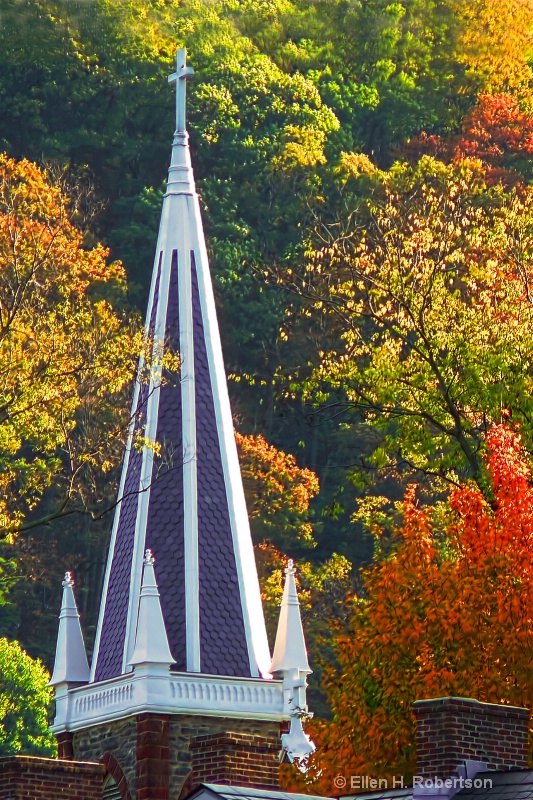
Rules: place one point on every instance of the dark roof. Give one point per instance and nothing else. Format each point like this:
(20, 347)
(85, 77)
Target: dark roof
(382, 794)
(511, 785)
(247, 793)
(221, 615)
(516, 784)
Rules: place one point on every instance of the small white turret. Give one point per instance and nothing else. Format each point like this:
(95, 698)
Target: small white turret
(290, 652)
(290, 663)
(70, 665)
(151, 641)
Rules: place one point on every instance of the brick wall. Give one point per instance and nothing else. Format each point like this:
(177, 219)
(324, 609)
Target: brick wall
(153, 757)
(240, 759)
(452, 729)
(30, 777)
(164, 756)
(191, 765)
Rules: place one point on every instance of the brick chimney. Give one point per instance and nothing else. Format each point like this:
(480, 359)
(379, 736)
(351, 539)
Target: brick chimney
(451, 730)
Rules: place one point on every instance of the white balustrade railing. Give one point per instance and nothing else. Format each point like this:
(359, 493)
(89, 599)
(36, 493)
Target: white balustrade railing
(138, 692)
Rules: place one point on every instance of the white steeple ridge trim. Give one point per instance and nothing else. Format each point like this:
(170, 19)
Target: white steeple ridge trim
(151, 642)
(290, 652)
(180, 198)
(71, 664)
(129, 447)
(150, 433)
(256, 637)
(190, 465)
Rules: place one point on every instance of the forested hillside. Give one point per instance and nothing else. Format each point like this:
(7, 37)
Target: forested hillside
(364, 169)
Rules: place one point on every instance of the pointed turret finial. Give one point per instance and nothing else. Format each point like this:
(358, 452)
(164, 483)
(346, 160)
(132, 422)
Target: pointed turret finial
(71, 659)
(151, 642)
(182, 73)
(297, 744)
(290, 652)
(290, 663)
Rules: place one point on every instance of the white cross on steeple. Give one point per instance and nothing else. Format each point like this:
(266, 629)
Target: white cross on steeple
(182, 72)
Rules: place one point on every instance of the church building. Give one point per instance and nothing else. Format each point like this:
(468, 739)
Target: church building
(182, 689)
(182, 700)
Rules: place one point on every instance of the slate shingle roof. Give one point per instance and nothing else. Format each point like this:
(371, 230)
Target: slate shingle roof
(111, 649)
(511, 785)
(160, 520)
(220, 620)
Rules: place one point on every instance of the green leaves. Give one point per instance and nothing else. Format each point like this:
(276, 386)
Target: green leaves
(25, 704)
(436, 320)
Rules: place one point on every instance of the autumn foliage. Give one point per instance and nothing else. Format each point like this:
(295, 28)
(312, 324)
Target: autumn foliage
(67, 350)
(278, 493)
(448, 613)
(496, 132)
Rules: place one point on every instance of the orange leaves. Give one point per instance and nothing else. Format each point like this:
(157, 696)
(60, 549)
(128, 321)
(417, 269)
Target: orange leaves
(496, 42)
(496, 126)
(496, 132)
(66, 351)
(278, 491)
(445, 614)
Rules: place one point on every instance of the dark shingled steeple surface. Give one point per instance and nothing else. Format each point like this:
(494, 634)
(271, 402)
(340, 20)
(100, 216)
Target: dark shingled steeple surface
(164, 535)
(111, 649)
(220, 602)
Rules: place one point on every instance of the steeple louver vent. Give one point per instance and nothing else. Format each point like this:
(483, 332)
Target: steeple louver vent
(111, 790)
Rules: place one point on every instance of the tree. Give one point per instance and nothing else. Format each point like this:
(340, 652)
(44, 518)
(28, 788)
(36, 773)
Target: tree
(448, 612)
(496, 131)
(428, 286)
(67, 354)
(278, 494)
(495, 44)
(25, 704)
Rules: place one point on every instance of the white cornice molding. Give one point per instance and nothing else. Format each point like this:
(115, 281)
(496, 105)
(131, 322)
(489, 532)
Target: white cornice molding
(172, 693)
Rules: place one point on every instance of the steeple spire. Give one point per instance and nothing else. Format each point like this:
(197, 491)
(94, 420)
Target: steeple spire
(183, 498)
(151, 642)
(70, 665)
(290, 663)
(193, 643)
(290, 652)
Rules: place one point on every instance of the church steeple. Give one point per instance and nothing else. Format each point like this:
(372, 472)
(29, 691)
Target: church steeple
(180, 670)
(181, 492)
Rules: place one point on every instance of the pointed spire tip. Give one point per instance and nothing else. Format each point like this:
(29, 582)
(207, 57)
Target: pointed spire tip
(178, 77)
(68, 580)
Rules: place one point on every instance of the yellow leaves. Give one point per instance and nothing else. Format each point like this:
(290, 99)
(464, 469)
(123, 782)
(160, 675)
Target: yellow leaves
(303, 147)
(496, 42)
(65, 351)
(357, 164)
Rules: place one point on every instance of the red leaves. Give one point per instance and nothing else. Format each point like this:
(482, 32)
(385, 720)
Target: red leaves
(499, 134)
(496, 132)
(446, 614)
